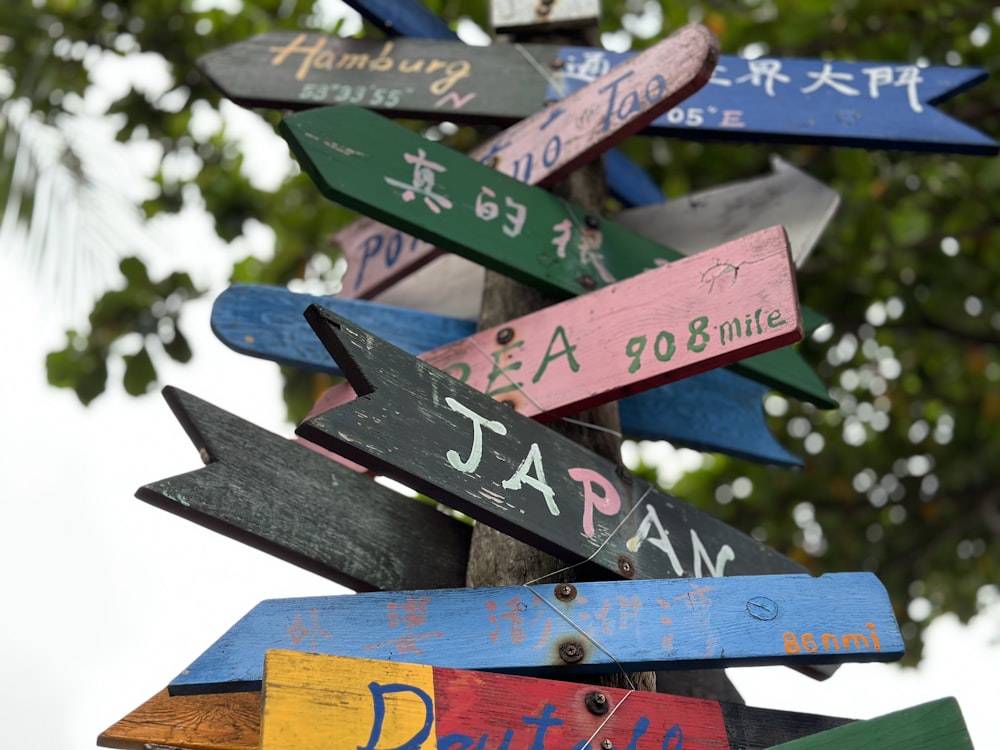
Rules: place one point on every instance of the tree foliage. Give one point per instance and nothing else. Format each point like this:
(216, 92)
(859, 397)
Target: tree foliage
(900, 480)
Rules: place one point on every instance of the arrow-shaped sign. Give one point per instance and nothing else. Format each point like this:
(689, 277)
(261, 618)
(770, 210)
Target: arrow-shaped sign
(290, 502)
(937, 725)
(545, 147)
(790, 197)
(462, 448)
(877, 105)
(694, 315)
(314, 702)
(716, 411)
(213, 721)
(452, 285)
(360, 159)
(231, 721)
(569, 628)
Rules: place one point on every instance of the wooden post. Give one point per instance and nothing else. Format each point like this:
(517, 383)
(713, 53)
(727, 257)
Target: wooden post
(496, 559)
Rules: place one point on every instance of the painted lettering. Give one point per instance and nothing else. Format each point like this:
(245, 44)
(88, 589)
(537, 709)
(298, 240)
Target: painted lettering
(297, 46)
(545, 721)
(613, 86)
(634, 348)
(533, 461)
(317, 57)
(730, 330)
(498, 370)
(700, 555)
(478, 422)
(699, 338)
(795, 644)
(566, 351)
(378, 693)
(607, 501)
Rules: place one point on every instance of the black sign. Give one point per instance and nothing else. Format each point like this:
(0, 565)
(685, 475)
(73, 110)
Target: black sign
(424, 428)
(289, 501)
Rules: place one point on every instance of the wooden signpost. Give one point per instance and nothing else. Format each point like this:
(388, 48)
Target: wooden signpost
(569, 629)
(877, 105)
(393, 667)
(937, 725)
(717, 411)
(290, 502)
(462, 448)
(694, 315)
(522, 231)
(311, 701)
(545, 147)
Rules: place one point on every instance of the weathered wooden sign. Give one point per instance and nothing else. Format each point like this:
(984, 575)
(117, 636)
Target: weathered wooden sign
(462, 448)
(544, 148)
(569, 628)
(716, 411)
(800, 203)
(213, 721)
(290, 502)
(231, 721)
(467, 208)
(691, 316)
(312, 700)
(937, 725)
(881, 105)
(452, 285)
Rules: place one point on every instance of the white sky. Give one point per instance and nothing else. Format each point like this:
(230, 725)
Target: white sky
(106, 598)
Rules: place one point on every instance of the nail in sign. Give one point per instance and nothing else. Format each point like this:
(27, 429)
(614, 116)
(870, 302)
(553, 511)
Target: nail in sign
(422, 427)
(547, 629)
(691, 316)
(544, 148)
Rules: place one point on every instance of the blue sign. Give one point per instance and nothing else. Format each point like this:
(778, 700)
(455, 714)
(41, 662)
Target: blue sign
(789, 100)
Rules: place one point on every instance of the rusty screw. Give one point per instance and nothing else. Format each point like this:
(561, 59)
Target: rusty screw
(571, 652)
(591, 221)
(625, 567)
(556, 64)
(509, 402)
(565, 592)
(504, 335)
(597, 703)
(587, 281)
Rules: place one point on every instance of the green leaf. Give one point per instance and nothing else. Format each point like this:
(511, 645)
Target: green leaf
(139, 373)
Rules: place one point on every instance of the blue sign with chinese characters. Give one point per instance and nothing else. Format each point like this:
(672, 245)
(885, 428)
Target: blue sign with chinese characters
(789, 100)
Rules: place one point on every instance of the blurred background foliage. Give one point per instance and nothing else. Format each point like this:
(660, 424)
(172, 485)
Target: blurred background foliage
(901, 479)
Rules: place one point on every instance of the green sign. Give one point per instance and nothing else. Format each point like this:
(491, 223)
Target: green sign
(368, 163)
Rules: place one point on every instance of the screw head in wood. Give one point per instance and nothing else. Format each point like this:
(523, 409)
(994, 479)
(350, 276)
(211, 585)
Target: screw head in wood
(571, 651)
(762, 608)
(626, 567)
(597, 702)
(565, 592)
(587, 281)
(505, 335)
(606, 744)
